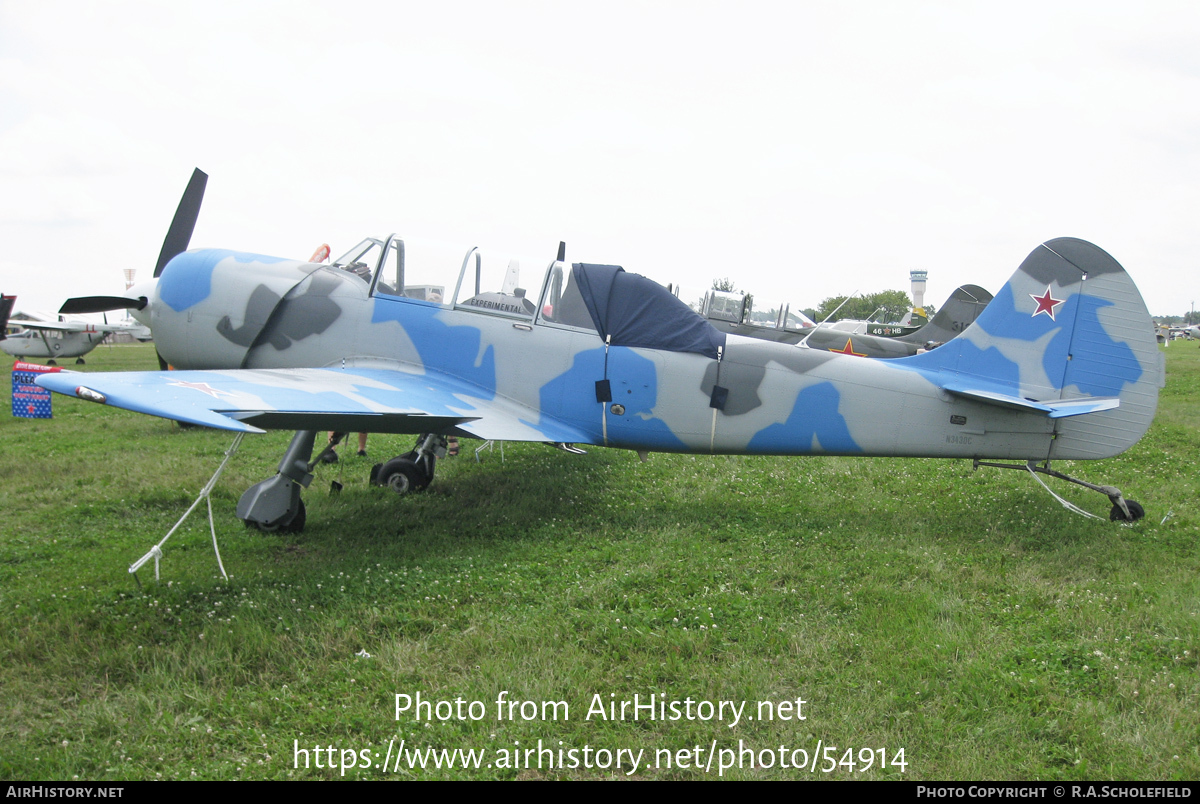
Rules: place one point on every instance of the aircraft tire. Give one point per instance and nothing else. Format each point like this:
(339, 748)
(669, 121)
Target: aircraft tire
(1136, 512)
(402, 476)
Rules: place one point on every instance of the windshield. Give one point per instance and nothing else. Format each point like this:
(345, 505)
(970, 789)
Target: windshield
(721, 305)
(361, 260)
(447, 275)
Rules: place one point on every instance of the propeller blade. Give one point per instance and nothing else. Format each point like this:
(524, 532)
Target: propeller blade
(100, 304)
(184, 222)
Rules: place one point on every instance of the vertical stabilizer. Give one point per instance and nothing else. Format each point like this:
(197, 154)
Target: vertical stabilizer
(1069, 325)
(965, 305)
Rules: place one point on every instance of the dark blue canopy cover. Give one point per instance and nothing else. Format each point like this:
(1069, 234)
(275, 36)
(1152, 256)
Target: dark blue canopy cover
(636, 311)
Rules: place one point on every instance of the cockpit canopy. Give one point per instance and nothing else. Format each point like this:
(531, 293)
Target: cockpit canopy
(744, 309)
(443, 274)
(635, 311)
(623, 308)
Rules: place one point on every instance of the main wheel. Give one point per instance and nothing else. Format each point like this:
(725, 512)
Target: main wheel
(1136, 512)
(293, 524)
(402, 476)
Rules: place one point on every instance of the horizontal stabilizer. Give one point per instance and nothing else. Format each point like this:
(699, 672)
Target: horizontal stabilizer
(1054, 409)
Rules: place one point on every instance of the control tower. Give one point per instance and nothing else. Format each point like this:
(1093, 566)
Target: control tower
(918, 287)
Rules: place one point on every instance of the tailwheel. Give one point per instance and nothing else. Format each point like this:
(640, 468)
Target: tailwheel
(1136, 512)
(1123, 510)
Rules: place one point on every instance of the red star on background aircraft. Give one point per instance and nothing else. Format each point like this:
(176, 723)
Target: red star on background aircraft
(849, 350)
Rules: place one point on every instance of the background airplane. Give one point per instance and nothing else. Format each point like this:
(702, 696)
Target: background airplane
(1167, 332)
(725, 311)
(55, 340)
(399, 338)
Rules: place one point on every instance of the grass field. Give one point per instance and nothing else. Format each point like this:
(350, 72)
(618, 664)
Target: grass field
(943, 622)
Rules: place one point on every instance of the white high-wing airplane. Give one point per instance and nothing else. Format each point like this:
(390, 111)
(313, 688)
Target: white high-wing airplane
(55, 340)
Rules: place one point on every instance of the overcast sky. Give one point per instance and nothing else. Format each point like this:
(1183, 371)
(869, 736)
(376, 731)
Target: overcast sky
(801, 149)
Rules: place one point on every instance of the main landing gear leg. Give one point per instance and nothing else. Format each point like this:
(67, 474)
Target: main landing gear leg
(1123, 510)
(412, 471)
(274, 505)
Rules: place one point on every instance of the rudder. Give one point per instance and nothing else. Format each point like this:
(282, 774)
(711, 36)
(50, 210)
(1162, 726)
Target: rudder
(1113, 352)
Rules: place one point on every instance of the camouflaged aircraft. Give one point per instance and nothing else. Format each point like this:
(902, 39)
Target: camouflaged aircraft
(395, 337)
(728, 312)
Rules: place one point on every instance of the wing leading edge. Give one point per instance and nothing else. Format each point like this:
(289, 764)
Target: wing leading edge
(352, 399)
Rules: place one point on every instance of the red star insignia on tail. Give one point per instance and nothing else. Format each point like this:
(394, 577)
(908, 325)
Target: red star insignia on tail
(1046, 304)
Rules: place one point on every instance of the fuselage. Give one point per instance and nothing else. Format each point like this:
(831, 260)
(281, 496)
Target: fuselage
(51, 345)
(218, 310)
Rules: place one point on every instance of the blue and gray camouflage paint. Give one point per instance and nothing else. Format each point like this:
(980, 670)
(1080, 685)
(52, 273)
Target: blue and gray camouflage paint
(1062, 364)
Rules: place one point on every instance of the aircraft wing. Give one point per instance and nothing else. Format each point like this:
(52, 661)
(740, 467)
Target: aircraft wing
(368, 400)
(59, 326)
(74, 326)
